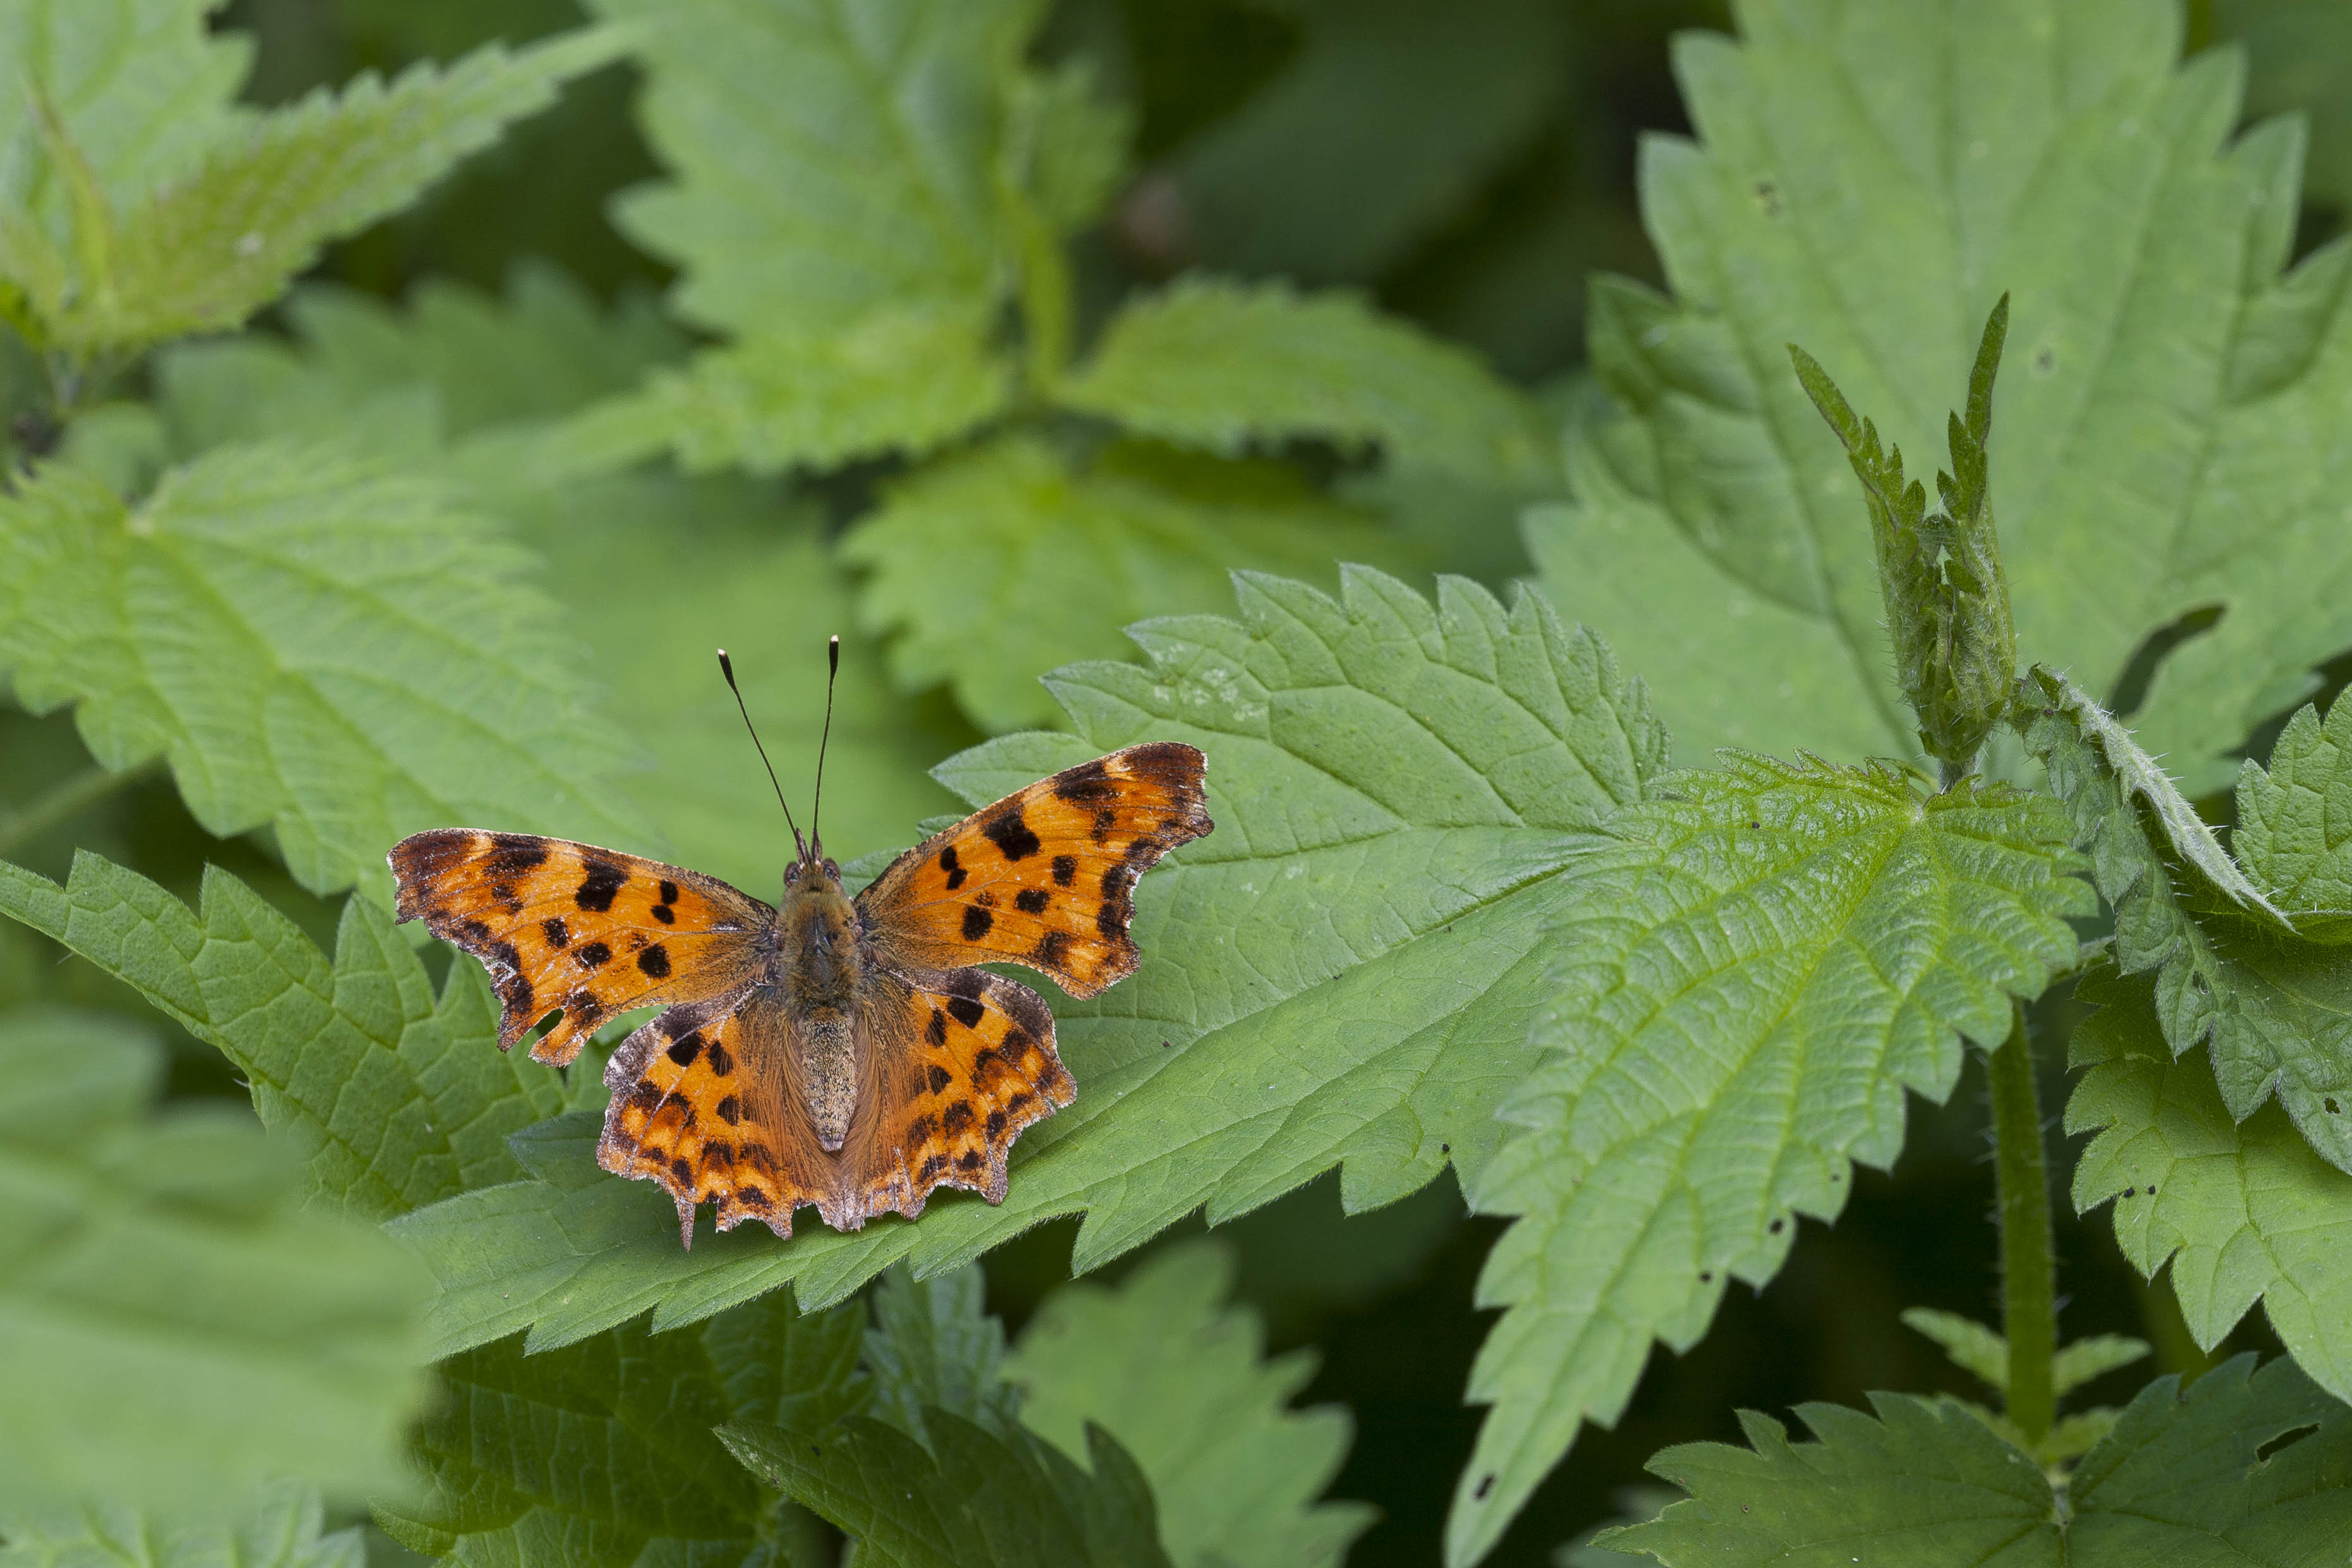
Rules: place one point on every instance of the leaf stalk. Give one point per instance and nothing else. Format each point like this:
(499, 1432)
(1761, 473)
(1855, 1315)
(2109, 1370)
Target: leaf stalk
(2029, 1266)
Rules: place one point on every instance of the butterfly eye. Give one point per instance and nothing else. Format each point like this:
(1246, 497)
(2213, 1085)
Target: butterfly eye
(833, 871)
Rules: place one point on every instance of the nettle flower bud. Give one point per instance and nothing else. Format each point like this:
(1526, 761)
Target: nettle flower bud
(1947, 600)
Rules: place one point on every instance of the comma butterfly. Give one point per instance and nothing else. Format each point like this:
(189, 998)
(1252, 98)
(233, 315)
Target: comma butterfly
(836, 1050)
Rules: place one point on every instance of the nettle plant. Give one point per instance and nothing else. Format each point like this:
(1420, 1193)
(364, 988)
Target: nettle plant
(1463, 910)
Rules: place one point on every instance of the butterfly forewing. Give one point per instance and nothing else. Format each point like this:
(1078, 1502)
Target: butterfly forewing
(1046, 876)
(565, 926)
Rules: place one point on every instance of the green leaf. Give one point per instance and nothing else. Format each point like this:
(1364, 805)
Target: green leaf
(340, 653)
(2298, 54)
(995, 566)
(1983, 1353)
(1867, 185)
(468, 385)
(466, 362)
(2244, 1210)
(1755, 972)
(2294, 819)
(973, 1499)
(2183, 1480)
(390, 1098)
(934, 1347)
(143, 90)
(1343, 972)
(2273, 1006)
(1180, 1379)
(174, 1326)
(220, 241)
(835, 209)
(1227, 367)
(281, 1528)
(904, 381)
(604, 1452)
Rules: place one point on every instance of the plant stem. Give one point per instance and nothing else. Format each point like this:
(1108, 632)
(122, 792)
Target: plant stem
(2028, 1269)
(76, 794)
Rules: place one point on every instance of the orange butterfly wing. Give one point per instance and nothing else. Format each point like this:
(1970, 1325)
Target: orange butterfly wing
(700, 1105)
(1046, 876)
(961, 1061)
(590, 931)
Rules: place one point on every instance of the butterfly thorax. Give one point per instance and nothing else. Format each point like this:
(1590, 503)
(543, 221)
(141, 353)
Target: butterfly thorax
(820, 951)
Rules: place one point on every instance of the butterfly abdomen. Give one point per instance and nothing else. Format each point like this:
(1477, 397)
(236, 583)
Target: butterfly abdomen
(822, 948)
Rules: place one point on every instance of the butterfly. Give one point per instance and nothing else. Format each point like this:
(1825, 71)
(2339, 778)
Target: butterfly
(829, 1050)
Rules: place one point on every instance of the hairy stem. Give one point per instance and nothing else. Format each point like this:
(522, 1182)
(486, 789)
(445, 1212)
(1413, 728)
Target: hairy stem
(74, 795)
(2028, 1269)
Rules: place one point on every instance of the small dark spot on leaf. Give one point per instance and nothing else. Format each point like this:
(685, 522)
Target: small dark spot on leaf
(1485, 1485)
(1777, 1226)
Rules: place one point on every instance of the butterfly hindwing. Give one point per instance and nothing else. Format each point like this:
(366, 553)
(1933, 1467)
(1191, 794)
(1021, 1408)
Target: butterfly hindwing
(698, 1104)
(964, 1060)
(564, 925)
(1044, 877)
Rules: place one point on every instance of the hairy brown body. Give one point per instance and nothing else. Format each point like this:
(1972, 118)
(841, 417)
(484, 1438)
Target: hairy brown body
(823, 958)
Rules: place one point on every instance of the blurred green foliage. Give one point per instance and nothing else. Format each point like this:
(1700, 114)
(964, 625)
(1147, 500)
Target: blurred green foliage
(403, 397)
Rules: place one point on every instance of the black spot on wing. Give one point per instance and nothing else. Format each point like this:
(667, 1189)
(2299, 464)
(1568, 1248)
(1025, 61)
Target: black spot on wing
(966, 1011)
(1049, 953)
(955, 1118)
(940, 1076)
(976, 922)
(665, 914)
(721, 1062)
(654, 962)
(1087, 784)
(971, 1160)
(685, 1049)
(511, 854)
(932, 1168)
(593, 955)
(1065, 870)
(1031, 900)
(936, 1031)
(558, 936)
(730, 1110)
(1009, 832)
(995, 1124)
(597, 888)
(955, 873)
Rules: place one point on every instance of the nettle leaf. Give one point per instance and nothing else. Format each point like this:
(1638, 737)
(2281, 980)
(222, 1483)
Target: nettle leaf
(971, 1499)
(1162, 1365)
(282, 1527)
(221, 239)
(1755, 972)
(836, 210)
(143, 91)
(1867, 184)
(604, 1452)
(174, 1326)
(654, 569)
(996, 566)
(389, 1097)
(934, 1347)
(2242, 1209)
(465, 362)
(1343, 972)
(2294, 819)
(316, 644)
(2298, 53)
(2196, 1477)
(2274, 1006)
(1227, 366)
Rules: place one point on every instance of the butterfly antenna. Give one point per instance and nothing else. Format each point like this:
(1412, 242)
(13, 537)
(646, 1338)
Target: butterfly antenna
(832, 672)
(726, 668)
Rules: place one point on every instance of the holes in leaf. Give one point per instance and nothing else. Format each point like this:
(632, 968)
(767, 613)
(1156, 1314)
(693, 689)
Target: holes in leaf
(1777, 1226)
(2333, 1108)
(2285, 1440)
